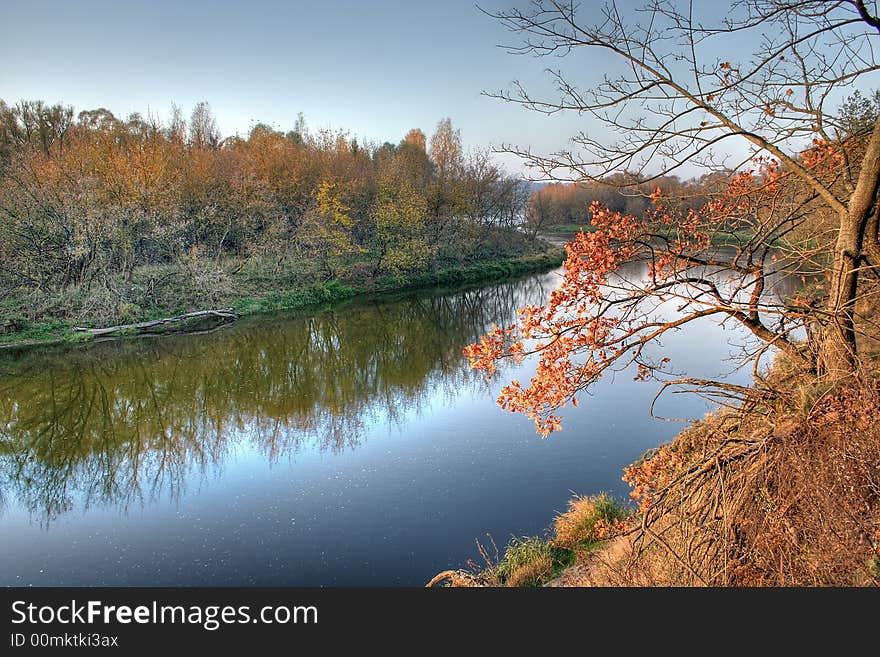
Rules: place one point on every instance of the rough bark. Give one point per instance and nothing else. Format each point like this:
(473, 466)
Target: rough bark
(839, 350)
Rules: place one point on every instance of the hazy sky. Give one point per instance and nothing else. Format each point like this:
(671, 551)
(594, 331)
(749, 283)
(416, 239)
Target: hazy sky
(376, 68)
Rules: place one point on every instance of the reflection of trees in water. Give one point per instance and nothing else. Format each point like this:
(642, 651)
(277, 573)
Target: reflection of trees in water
(123, 422)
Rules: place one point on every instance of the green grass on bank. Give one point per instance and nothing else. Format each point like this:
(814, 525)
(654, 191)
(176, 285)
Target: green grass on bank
(251, 292)
(582, 529)
(720, 238)
(566, 228)
(42, 333)
(723, 237)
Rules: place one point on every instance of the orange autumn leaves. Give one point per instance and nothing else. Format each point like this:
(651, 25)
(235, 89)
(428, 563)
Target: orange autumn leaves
(596, 321)
(582, 332)
(563, 327)
(592, 322)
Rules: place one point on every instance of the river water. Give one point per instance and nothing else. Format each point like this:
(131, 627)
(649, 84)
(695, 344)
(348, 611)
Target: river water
(351, 447)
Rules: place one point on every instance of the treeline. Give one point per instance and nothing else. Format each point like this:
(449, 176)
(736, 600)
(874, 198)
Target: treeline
(87, 198)
(567, 204)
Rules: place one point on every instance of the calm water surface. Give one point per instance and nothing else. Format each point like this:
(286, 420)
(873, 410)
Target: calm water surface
(345, 448)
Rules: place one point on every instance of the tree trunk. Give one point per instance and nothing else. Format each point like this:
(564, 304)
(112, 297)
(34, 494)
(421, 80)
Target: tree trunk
(226, 314)
(839, 355)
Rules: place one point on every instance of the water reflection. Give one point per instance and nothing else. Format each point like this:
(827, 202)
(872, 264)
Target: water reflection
(351, 448)
(125, 422)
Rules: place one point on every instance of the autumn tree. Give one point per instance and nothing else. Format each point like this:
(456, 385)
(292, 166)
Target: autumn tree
(415, 138)
(683, 93)
(539, 212)
(569, 202)
(413, 160)
(446, 151)
(203, 131)
(446, 154)
(282, 178)
(398, 240)
(90, 207)
(326, 229)
(33, 123)
(484, 194)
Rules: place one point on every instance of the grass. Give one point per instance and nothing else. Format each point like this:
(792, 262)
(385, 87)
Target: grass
(156, 292)
(527, 562)
(476, 273)
(726, 238)
(567, 228)
(587, 522)
(52, 332)
(583, 528)
(310, 296)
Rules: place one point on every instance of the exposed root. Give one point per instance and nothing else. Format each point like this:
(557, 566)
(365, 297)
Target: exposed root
(736, 501)
(453, 578)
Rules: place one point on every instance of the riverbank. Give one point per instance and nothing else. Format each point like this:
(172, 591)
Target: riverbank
(784, 492)
(781, 495)
(248, 288)
(719, 238)
(584, 529)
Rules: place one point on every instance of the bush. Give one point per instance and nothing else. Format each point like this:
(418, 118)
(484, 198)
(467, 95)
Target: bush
(587, 521)
(527, 562)
(14, 324)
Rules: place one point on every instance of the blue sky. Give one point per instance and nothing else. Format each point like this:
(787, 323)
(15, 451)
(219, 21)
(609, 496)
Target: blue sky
(375, 68)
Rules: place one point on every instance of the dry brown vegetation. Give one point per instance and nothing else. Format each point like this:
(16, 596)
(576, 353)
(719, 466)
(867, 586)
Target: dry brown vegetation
(775, 497)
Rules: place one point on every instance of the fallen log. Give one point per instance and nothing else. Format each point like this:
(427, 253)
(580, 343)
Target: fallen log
(224, 313)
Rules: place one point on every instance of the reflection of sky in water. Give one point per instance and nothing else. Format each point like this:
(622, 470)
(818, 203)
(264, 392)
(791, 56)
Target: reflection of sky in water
(326, 450)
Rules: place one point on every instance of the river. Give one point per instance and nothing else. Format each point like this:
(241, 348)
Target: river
(351, 447)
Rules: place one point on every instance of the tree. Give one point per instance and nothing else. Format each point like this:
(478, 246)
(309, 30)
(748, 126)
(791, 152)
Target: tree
(540, 211)
(681, 97)
(415, 138)
(100, 119)
(569, 203)
(203, 131)
(176, 130)
(398, 237)
(446, 154)
(34, 123)
(85, 205)
(484, 194)
(858, 115)
(446, 149)
(326, 229)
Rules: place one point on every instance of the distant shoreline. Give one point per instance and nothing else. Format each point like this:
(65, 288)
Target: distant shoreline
(719, 238)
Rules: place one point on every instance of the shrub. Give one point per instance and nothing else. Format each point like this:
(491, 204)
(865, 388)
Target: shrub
(588, 520)
(527, 562)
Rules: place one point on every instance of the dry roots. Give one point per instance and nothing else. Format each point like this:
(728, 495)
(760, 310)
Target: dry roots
(731, 504)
